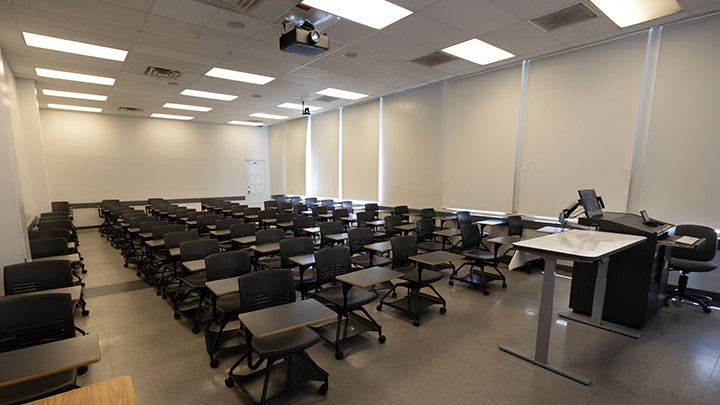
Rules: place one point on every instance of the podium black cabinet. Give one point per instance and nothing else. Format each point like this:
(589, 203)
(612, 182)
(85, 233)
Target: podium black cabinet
(636, 279)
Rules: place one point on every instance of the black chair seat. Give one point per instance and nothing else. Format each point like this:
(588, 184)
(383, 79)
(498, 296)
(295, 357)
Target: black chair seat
(691, 265)
(308, 275)
(364, 261)
(377, 235)
(42, 387)
(477, 254)
(229, 303)
(357, 297)
(285, 344)
(195, 280)
(432, 246)
(428, 276)
(270, 262)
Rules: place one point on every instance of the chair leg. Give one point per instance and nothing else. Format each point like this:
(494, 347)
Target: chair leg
(267, 380)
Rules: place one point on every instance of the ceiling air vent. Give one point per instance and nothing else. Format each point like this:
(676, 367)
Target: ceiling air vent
(131, 109)
(238, 6)
(564, 17)
(326, 99)
(161, 73)
(434, 59)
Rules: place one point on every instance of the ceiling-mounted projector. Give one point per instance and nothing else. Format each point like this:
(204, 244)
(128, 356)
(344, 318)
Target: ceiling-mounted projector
(304, 41)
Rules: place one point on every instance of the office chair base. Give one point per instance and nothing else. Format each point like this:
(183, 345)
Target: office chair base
(704, 301)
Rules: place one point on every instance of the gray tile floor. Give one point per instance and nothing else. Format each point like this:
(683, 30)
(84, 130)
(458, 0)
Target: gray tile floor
(450, 358)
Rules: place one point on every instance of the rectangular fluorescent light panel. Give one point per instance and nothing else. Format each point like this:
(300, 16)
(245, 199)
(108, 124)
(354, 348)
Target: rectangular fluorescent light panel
(246, 123)
(75, 77)
(269, 116)
(348, 95)
(625, 13)
(187, 107)
(70, 94)
(293, 106)
(78, 48)
(171, 117)
(239, 76)
(377, 14)
(207, 94)
(477, 51)
(74, 107)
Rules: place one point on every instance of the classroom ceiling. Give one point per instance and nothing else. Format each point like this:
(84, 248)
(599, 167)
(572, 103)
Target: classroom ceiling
(192, 36)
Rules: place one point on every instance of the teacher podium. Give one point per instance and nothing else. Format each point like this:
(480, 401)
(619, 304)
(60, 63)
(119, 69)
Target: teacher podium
(636, 277)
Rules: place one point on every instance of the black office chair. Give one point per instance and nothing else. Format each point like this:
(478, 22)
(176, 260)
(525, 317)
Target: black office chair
(688, 260)
(372, 207)
(299, 208)
(194, 283)
(220, 266)
(310, 201)
(329, 228)
(265, 289)
(427, 213)
(238, 231)
(332, 262)
(262, 215)
(39, 276)
(357, 240)
(159, 256)
(340, 213)
(270, 204)
(362, 220)
(60, 206)
(463, 218)
(391, 221)
(267, 236)
(298, 247)
(317, 211)
(170, 274)
(300, 223)
(348, 205)
(399, 210)
(204, 220)
(470, 248)
(29, 321)
(55, 233)
(425, 236)
(284, 205)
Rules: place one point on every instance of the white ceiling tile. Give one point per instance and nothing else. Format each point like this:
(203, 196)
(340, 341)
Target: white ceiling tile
(368, 87)
(252, 48)
(379, 62)
(137, 63)
(270, 34)
(270, 10)
(199, 48)
(6, 16)
(339, 67)
(658, 21)
(391, 79)
(527, 9)
(584, 29)
(142, 5)
(391, 45)
(252, 25)
(54, 19)
(520, 38)
(475, 17)
(24, 71)
(691, 4)
(189, 11)
(17, 60)
(215, 85)
(426, 31)
(184, 31)
(91, 10)
(327, 77)
(414, 5)
(339, 54)
(10, 36)
(347, 31)
(417, 72)
(261, 67)
(456, 66)
(712, 7)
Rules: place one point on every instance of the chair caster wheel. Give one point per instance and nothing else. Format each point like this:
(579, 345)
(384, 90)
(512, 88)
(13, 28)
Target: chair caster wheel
(443, 310)
(394, 295)
(486, 293)
(85, 312)
(379, 307)
(706, 310)
(157, 293)
(82, 370)
(323, 389)
(164, 296)
(176, 315)
(195, 330)
(82, 258)
(416, 323)
(451, 282)
(84, 271)
(214, 363)
(382, 339)
(82, 284)
(137, 273)
(229, 382)
(125, 265)
(504, 285)
(339, 355)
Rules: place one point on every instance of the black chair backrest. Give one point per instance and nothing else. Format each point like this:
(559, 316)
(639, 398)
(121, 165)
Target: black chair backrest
(283, 205)
(340, 213)
(317, 211)
(148, 226)
(48, 247)
(330, 228)
(331, 262)
(222, 224)
(227, 264)
(515, 225)
(310, 201)
(704, 253)
(401, 209)
(267, 214)
(464, 218)
(198, 249)
(300, 223)
(327, 203)
(173, 239)
(358, 238)
(51, 233)
(402, 248)
(295, 247)
(294, 200)
(56, 224)
(192, 214)
(262, 289)
(470, 237)
(278, 197)
(425, 228)
(363, 217)
(427, 213)
(37, 276)
(269, 204)
(285, 217)
(298, 208)
(33, 320)
(251, 211)
(272, 235)
(60, 206)
(347, 205)
(391, 221)
(59, 215)
(371, 207)
(243, 229)
(159, 231)
(172, 210)
(181, 212)
(206, 219)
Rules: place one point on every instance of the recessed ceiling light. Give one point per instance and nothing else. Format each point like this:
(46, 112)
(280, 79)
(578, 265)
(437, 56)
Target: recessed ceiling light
(625, 13)
(373, 13)
(207, 94)
(239, 76)
(348, 95)
(256, 96)
(351, 55)
(197, 35)
(70, 94)
(171, 117)
(78, 48)
(74, 107)
(246, 123)
(75, 77)
(236, 25)
(269, 116)
(187, 107)
(477, 51)
(294, 106)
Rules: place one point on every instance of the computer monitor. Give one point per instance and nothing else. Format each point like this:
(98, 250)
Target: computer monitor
(590, 203)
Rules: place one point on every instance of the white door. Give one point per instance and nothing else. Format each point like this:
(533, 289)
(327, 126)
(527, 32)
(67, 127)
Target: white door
(255, 182)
